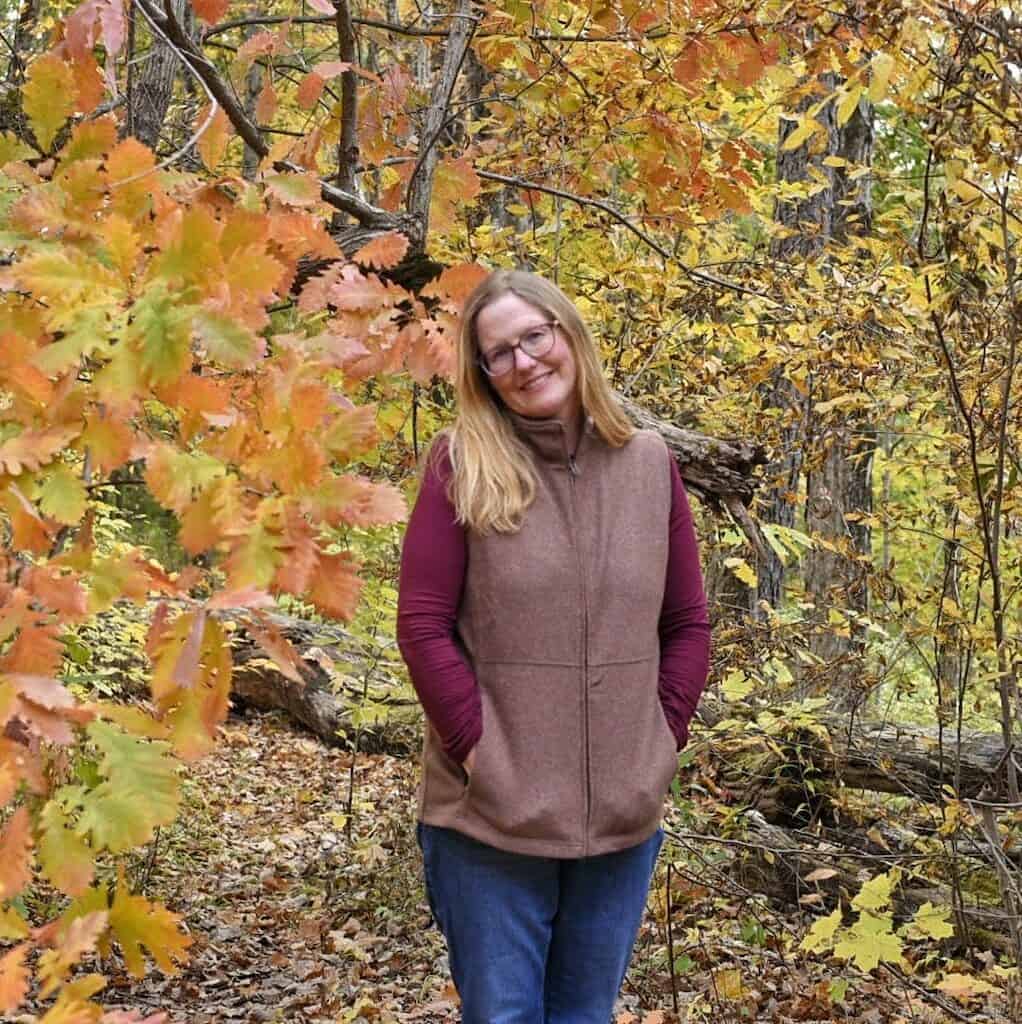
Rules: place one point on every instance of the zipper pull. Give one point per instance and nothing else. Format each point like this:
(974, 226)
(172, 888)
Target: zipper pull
(572, 465)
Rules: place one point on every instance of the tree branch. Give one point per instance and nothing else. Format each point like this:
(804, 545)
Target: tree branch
(347, 147)
(217, 89)
(599, 204)
(420, 185)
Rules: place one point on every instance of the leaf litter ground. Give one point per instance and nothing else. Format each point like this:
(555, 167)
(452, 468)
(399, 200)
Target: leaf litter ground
(297, 918)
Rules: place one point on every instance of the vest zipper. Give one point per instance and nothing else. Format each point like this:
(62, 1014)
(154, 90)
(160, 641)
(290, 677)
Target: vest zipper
(573, 472)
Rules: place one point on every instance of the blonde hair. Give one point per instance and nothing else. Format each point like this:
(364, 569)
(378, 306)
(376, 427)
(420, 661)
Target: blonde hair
(493, 482)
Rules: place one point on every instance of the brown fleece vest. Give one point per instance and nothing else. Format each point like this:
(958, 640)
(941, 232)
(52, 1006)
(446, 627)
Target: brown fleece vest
(559, 622)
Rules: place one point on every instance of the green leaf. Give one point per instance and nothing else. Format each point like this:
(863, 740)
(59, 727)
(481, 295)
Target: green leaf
(161, 330)
(140, 791)
(226, 340)
(66, 859)
(62, 494)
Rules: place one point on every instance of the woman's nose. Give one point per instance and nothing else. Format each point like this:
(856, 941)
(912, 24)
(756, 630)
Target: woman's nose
(527, 361)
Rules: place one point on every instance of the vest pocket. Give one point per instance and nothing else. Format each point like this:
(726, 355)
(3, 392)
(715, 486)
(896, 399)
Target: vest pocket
(633, 754)
(527, 782)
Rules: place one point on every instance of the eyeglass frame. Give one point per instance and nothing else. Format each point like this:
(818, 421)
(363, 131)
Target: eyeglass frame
(510, 349)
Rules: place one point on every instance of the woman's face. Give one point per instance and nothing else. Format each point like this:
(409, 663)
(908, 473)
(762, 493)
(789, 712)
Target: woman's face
(539, 388)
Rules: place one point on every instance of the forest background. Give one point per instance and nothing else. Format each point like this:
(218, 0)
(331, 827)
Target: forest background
(234, 242)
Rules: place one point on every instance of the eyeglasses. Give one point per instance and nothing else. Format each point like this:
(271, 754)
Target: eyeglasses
(535, 342)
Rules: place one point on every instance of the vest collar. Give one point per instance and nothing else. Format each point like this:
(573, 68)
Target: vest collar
(549, 438)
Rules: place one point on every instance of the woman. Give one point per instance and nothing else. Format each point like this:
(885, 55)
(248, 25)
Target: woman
(553, 620)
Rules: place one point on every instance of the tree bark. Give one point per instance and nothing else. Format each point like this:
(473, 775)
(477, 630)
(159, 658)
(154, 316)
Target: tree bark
(153, 85)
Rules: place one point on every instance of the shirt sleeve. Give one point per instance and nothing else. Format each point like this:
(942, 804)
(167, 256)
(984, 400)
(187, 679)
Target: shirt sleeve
(684, 625)
(433, 561)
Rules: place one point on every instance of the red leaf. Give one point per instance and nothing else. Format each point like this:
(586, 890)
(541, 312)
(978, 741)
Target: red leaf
(353, 290)
(383, 252)
(15, 854)
(211, 11)
(323, 6)
(114, 25)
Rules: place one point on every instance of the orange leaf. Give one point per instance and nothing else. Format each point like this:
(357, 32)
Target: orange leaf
(383, 252)
(310, 90)
(34, 448)
(13, 978)
(31, 532)
(456, 283)
(353, 290)
(59, 593)
(89, 84)
(77, 939)
(336, 586)
(36, 650)
(18, 764)
(108, 441)
(266, 103)
(360, 502)
(688, 67)
(211, 11)
(15, 854)
(278, 647)
(352, 433)
(212, 143)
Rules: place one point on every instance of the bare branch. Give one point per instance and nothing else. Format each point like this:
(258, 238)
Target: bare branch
(217, 89)
(420, 185)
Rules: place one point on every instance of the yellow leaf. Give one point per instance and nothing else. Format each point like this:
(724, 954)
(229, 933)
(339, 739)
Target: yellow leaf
(965, 191)
(880, 74)
(875, 894)
(807, 126)
(737, 685)
(964, 987)
(62, 494)
(933, 921)
(65, 857)
(821, 935)
(848, 104)
(138, 924)
(48, 97)
(869, 942)
(742, 570)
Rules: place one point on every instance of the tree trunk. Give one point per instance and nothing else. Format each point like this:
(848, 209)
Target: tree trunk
(153, 86)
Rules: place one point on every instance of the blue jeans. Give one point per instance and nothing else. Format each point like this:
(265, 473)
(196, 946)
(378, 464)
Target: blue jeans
(535, 940)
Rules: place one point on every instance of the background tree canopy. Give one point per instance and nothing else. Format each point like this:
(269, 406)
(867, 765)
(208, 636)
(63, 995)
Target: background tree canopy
(234, 242)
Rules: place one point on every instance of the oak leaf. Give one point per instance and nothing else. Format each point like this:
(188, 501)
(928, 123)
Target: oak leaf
(65, 858)
(139, 793)
(213, 141)
(62, 494)
(15, 854)
(455, 283)
(13, 978)
(48, 97)
(74, 941)
(335, 585)
(383, 252)
(138, 925)
(293, 189)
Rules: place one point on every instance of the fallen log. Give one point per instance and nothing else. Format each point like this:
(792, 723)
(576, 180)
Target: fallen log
(880, 756)
(772, 862)
(326, 699)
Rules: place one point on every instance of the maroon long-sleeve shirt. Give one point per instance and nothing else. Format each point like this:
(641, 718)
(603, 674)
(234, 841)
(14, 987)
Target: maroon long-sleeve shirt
(433, 564)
